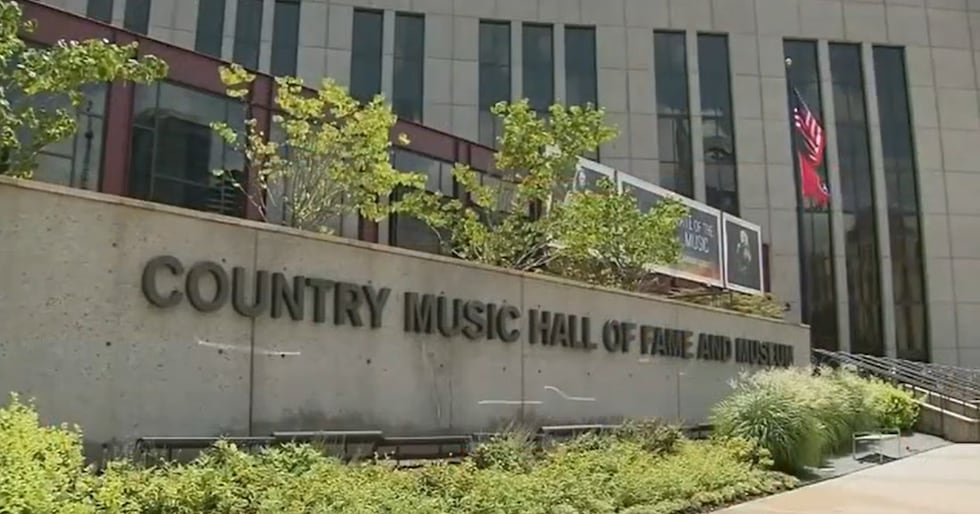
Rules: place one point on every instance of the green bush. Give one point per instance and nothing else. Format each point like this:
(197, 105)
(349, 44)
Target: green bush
(892, 407)
(803, 415)
(41, 468)
(653, 435)
(644, 467)
(511, 451)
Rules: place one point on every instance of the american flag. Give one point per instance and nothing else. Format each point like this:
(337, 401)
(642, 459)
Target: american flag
(811, 150)
(809, 129)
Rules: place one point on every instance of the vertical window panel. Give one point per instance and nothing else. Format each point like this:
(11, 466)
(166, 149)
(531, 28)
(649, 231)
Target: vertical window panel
(137, 16)
(365, 69)
(673, 112)
(210, 27)
(248, 33)
(581, 86)
(76, 160)
(99, 10)
(285, 38)
(495, 77)
(407, 91)
(717, 123)
(858, 203)
(901, 179)
(580, 66)
(817, 275)
(409, 232)
(539, 66)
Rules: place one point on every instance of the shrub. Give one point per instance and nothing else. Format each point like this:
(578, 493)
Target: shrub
(892, 407)
(801, 415)
(776, 420)
(41, 468)
(644, 467)
(653, 435)
(510, 451)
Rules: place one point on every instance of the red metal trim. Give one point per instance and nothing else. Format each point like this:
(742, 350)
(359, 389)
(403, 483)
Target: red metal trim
(54, 25)
(118, 133)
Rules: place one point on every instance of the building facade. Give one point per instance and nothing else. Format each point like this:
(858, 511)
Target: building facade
(699, 91)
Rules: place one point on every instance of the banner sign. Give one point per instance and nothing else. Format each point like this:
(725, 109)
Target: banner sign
(700, 233)
(743, 255)
(589, 173)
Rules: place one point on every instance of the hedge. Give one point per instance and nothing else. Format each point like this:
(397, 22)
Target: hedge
(803, 415)
(642, 468)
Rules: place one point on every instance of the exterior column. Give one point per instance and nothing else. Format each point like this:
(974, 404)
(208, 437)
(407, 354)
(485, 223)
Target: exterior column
(694, 107)
(836, 199)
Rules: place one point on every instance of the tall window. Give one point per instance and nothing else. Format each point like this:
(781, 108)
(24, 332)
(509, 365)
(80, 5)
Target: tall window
(210, 27)
(817, 259)
(248, 33)
(99, 10)
(365, 66)
(858, 203)
(174, 149)
(285, 38)
(539, 66)
(580, 69)
(717, 121)
(409, 232)
(494, 77)
(901, 178)
(137, 16)
(409, 66)
(673, 112)
(76, 160)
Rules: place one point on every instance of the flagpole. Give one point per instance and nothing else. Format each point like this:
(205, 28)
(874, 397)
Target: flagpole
(797, 179)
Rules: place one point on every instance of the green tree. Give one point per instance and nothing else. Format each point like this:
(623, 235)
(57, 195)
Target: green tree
(506, 220)
(41, 88)
(333, 160)
(602, 237)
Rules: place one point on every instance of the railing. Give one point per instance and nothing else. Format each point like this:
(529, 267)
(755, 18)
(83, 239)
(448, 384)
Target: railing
(956, 383)
(398, 449)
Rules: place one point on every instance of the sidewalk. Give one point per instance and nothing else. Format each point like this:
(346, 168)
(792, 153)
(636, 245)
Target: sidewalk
(942, 481)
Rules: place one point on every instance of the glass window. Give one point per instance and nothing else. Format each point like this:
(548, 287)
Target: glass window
(858, 204)
(901, 181)
(817, 275)
(494, 77)
(580, 70)
(75, 161)
(409, 66)
(248, 33)
(673, 113)
(365, 68)
(717, 123)
(409, 232)
(99, 10)
(580, 66)
(174, 149)
(539, 66)
(285, 38)
(210, 27)
(137, 16)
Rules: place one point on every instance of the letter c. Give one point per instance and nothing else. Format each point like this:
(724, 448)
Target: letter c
(149, 282)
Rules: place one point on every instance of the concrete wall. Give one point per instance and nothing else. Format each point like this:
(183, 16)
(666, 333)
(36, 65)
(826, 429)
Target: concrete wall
(77, 333)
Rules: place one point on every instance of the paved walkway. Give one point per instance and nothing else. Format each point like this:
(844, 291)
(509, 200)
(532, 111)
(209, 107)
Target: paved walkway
(942, 481)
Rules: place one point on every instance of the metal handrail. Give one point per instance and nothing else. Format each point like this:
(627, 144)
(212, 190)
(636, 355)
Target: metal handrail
(904, 372)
